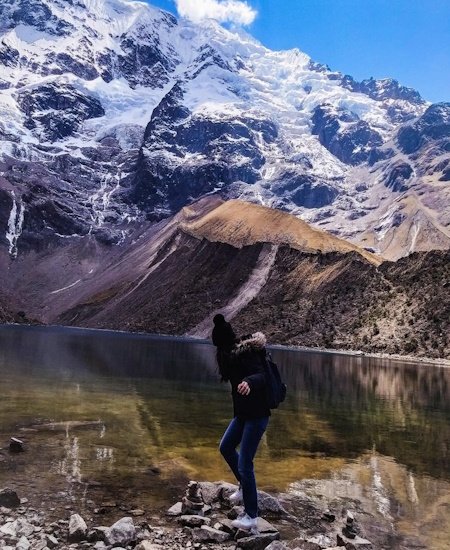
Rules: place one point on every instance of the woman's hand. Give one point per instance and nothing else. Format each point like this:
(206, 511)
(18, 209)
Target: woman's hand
(243, 388)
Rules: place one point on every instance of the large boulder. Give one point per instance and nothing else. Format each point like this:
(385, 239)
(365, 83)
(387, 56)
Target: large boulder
(122, 533)
(77, 528)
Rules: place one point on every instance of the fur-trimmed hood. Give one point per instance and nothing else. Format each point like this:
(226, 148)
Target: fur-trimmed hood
(253, 342)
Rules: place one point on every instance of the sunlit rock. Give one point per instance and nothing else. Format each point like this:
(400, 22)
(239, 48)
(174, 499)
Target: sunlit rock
(122, 533)
(77, 528)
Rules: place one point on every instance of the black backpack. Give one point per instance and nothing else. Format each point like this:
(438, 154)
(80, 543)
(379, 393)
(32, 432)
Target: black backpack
(275, 387)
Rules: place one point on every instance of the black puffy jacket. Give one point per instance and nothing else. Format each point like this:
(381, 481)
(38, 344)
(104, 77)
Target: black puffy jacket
(247, 363)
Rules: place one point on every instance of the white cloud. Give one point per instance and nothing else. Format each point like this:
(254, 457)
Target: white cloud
(225, 11)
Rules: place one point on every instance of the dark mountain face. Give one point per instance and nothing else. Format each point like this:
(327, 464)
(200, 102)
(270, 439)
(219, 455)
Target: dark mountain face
(432, 127)
(164, 182)
(69, 109)
(351, 142)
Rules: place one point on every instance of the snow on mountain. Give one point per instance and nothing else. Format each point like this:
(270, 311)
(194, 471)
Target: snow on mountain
(114, 112)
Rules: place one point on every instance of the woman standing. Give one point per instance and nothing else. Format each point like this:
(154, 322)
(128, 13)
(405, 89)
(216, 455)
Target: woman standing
(251, 416)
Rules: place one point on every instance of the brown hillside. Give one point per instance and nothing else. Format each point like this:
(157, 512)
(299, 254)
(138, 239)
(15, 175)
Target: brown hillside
(241, 224)
(339, 302)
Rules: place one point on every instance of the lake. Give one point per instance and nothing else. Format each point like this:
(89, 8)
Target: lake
(120, 420)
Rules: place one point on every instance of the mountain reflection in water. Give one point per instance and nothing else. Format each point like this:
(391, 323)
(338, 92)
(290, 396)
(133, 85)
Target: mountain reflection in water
(132, 417)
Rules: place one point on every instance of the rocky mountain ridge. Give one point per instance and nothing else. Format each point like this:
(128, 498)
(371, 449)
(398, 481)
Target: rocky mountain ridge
(116, 114)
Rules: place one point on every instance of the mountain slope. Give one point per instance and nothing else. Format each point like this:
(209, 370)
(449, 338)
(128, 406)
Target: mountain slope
(114, 114)
(242, 224)
(174, 277)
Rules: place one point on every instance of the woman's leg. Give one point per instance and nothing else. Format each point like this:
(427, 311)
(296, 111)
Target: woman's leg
(252, 434)
(230, 440)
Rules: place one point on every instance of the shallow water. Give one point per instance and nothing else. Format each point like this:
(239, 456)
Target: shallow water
(112, 419)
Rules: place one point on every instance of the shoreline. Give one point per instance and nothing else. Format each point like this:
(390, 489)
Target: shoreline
(202, 519)
(439, 362)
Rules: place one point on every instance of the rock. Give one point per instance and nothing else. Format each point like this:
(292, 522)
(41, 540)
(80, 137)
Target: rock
(194, 521)
(77, 528)
(357, 543)
(263, 526)
(51, 541)
(122, 532)
(306, 544)
(16, 445)
(227, 489)
(257, 542)
(192, 502)
(350, 518)
(9, 498)
(269, 504)
(8, 529)
(23, 543)
(328, 516)
(315, 542)
(276, 545)
(147, 545)
(211, 491)
(208, 534)
(24, 528)
(235, 512)
(227, 526)
(97, 534)
(137, 512)
(175, 510)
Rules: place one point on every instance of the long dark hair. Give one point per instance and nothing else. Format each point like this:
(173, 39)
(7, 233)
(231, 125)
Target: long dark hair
(223, 364)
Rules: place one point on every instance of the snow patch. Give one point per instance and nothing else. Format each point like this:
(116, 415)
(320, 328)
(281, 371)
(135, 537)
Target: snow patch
(15, 225)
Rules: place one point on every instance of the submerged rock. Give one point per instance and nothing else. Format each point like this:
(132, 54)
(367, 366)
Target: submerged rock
(16, 445)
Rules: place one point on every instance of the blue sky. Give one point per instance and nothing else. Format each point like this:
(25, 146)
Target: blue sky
(408, 40)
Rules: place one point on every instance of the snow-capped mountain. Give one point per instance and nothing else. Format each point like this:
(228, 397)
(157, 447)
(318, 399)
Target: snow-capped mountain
(114, 114)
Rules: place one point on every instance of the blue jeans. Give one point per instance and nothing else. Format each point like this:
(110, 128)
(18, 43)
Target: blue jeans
(248, 434)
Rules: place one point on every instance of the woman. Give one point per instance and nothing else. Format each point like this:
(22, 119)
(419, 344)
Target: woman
(251, 416)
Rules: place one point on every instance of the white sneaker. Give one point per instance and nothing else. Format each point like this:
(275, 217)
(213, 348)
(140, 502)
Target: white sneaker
(245, 522)
(236, 497)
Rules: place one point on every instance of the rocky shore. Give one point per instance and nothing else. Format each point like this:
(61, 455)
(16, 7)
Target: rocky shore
(201, 520)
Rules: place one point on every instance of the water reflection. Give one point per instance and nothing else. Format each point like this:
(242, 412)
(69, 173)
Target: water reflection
(400, 410)
(132, 414)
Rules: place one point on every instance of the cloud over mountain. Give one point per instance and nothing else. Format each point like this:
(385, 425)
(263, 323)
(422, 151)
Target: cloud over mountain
(225, 11)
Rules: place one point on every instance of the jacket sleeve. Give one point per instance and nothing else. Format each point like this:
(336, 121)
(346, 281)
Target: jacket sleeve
(256, 380)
